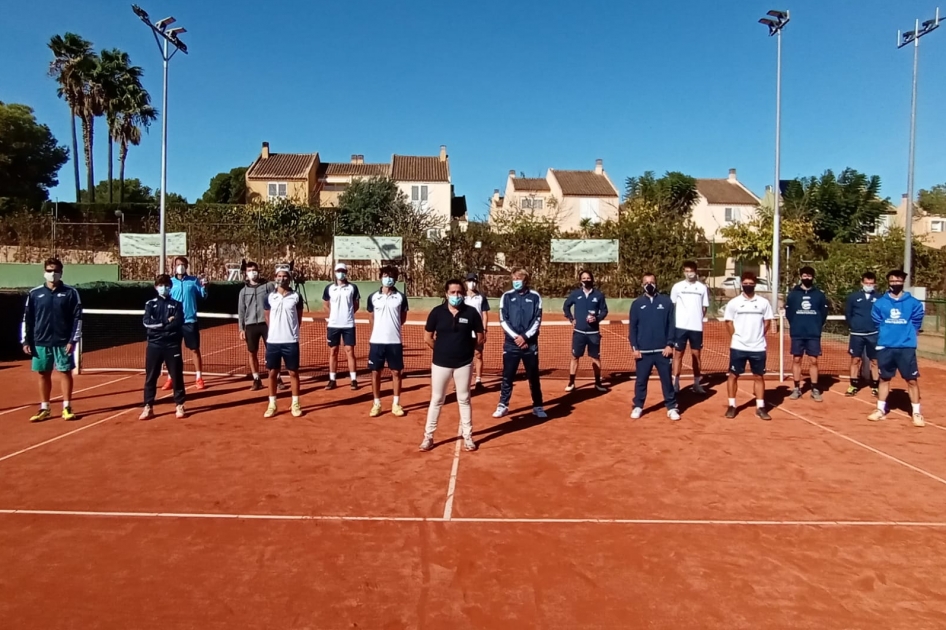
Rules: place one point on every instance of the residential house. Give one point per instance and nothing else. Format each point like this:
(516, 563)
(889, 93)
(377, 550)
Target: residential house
(929, 228)
(569, 197)
(335, 177)
(275, 176)
(724, 202)
(425, 180)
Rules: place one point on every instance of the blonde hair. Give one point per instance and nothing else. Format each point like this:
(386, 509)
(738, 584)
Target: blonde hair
(521, 273)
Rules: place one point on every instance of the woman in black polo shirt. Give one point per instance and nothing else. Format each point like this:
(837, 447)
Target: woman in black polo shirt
(453, 331)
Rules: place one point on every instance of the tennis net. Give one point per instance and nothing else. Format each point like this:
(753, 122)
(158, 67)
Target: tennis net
(114, 340)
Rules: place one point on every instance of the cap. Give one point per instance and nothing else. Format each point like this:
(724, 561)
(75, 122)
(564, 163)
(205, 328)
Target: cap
(472, 276)
(341, 267)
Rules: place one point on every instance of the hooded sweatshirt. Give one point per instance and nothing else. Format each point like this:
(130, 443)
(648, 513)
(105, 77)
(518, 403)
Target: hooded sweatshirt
(898, 320)
(806, 311)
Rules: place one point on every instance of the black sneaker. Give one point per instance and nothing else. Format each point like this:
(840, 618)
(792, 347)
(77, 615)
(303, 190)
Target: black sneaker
(731, 412)
(354, 386)
(331, 385)
(257, 385)
(762, 413)
(479, 387)
(600, 387)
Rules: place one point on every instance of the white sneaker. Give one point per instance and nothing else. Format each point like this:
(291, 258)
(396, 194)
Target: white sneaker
(501, 411)
(918, 420)
(570, 387)
(179, 412)
(146, 413)
(427, 444)
(637, 413)
(469, 444)
(673, 414)
(539, 412)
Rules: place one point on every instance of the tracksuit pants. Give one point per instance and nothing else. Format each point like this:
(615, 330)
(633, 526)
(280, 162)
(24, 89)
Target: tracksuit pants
(529, 357)
(155, 357)
(440, 378)
(646, 365)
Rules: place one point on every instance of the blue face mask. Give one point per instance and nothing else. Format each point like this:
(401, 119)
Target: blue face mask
(387, 281)
(455, 300)
(517, 285)
(163, 290)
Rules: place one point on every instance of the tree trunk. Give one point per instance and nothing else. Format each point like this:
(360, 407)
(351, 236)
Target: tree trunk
(75, 155)
(122, 155)
(110, 199)
(87, 140)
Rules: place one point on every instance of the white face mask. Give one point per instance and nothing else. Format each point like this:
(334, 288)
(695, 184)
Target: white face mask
(52, 276)
(181, 270)
(690, 276)
(162, 290)
(252, 275)
(868, 288)
(470, 286)
(340, 275)
(387, 281)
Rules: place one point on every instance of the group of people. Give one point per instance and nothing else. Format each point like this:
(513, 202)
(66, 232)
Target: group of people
(662, 326)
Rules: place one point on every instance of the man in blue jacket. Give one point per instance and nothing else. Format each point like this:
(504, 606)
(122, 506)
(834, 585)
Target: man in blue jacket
(164, 322)
(652, 336)
(863, 340)
(187, 290)
(589, 308)
(52, 326)
(806, 309)
(899, 317)
(520, 315)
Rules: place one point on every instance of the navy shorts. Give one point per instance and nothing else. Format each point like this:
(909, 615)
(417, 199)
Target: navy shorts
(739, 358)
(191, 331)
(893, 360)
(859, 344)
(285, 353)
(682, 336)
(337, 336)
(582, 341)
(381, 353)
(811, 347)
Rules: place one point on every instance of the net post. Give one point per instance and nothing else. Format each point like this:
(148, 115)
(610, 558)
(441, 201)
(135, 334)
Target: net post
(781, 347)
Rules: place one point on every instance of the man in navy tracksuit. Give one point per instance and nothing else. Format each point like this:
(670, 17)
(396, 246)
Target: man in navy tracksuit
(899, 317)
(806, 309)
(520, 315)
(857, 314)
(164, 321)
(652, 333)
(589, 309)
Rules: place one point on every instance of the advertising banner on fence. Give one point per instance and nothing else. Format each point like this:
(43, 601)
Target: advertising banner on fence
(368, 247)
(584, 250)
(150, 244)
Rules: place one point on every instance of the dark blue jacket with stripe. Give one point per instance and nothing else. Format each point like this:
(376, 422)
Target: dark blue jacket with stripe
(52, 317)
(652, 323)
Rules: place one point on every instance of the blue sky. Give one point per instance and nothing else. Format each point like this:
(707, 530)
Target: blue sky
(525, 85)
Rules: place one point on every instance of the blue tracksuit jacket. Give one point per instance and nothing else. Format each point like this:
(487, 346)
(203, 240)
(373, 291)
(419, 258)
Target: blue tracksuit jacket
(520, 313)
(806, 311)
(652, 323)
(52, 317)
(857, 312)
(583, 305)
(898, 320)
(162, 332)
(187, 291)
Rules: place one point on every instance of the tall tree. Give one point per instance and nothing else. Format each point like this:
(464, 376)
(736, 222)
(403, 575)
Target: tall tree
(119, 78)
(72, 59)
(842, 207)
(227, 187)
(933, 201)
(94, 101)
(673, 192)
(30, 157)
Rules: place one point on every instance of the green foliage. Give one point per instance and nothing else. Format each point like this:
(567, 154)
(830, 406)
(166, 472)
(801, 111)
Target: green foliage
(229, 187)
(135, 192)
(30, 157)
(933, 201)
(368, 206)
(72, 62)
(841, 208)
(674, 192)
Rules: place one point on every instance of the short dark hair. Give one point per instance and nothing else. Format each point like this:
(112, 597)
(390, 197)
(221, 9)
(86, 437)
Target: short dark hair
(649, 273)
(450, 283)
(52, 261)
(807, 270)
(748, 275)
(896, 273)
(869, 275)
(689, 264)
(252, 264)
(162, 280)
(183, 259)
(583, 272)
(390, 271)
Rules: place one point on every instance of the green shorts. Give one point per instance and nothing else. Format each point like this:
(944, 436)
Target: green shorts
(45, 358)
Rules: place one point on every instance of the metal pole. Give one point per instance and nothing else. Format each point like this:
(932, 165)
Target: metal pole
(776, 215)
(908, 227)
(164, 164)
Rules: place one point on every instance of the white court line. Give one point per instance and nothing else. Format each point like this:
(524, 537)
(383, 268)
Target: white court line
(452, 485)
(896, 411)
(76, 391)
(434, 519)
(64, 435)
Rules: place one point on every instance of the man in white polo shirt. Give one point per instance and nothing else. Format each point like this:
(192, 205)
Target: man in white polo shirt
(341, 300)
(690, 301)
(747, 320)
(284, 308)
(479, 302)
(388, 308)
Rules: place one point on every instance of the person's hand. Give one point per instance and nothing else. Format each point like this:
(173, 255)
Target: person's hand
(637, 355)
(68, 348)
(592, 319)
(171, 319)
(668, 351)
(520, 341)
(242, 335)
(27, 350)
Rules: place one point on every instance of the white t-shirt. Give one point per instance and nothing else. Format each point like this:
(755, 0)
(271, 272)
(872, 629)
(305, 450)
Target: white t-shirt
(689, 299)
(284, 311)
(480, 303)
(341, 299)
(748, 316)
(387, 309)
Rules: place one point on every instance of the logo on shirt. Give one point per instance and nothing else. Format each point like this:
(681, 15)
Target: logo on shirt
(643, 306)
(594, 300)
(806, 304)
(660, 307)
(895, 317)
(463, 320)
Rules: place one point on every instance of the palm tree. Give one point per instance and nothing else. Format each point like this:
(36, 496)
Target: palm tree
(119, 78)
(133, 114)
(72, 58)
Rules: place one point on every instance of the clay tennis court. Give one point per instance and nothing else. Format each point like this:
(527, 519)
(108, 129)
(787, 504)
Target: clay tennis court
(818, 519)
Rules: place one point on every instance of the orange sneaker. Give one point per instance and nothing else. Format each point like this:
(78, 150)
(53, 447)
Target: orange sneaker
(199, 383)
(168, 385)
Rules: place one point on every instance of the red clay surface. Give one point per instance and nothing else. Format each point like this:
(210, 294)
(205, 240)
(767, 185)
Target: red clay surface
(713, 508)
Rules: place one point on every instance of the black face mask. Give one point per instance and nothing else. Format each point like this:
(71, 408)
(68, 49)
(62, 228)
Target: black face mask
(748, 289)
(807, 282)
(650, 288)
(587, 283)
(896, 289)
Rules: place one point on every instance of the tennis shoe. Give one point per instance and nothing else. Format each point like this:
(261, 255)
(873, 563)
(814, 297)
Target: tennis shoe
(763, 414)
(330, 385)
(673, 414)
(168, 385)
(570, 387)
(375, 410)
(796, 394)
(539, 412)
(354, 386)
(698, 389)
(146, 413)
(67, 414)
(257, 385)
(42, 414)
(816, 395)
(874, 392)
(730, 412)
(469, 444)
(918, 420)
(877, 415)
(296, 410)
(179, 412)
(851, 391)
(636, 413)
(501, 411)
(199, 384)
(601, 388)
(270, 410)
(427, 444)
(398, 411)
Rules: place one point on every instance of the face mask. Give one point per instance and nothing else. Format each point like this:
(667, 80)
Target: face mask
(748, 289)
(868, 288)
(252, 275)
(587, 283)
(340, 275)
(471, 286)
(181, 270)
(283, 282)
(650, 288)
(517, 285)
(807, 282)
(162, 290)
(896, 288)
(387, 281)
(455, 300)
(52, 276)
(690, 276)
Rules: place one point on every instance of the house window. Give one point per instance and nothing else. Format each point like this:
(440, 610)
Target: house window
(419, 197)
(590, 210)
(938, 225)
(335, 187)
(733, 215)
(531, 203)
(883, 223)
(278, 190)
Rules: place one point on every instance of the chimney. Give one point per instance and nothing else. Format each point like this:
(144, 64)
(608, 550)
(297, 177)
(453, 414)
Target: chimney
(361, 159)
(905, 196)
(443, 153)
(354, 159)
(495, 196)
(599, 166)
(732, 176)
(512, 173)
(265, 152)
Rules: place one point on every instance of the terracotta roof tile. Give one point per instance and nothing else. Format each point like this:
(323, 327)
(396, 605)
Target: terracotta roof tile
(722, 192)
(415, 168)
(536, 184)
(346, 169)
(282, 166)
(584, 184)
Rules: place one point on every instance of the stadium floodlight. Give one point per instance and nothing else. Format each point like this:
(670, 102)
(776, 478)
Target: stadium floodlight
(905, 39)
(776, 23)
(163, 37)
